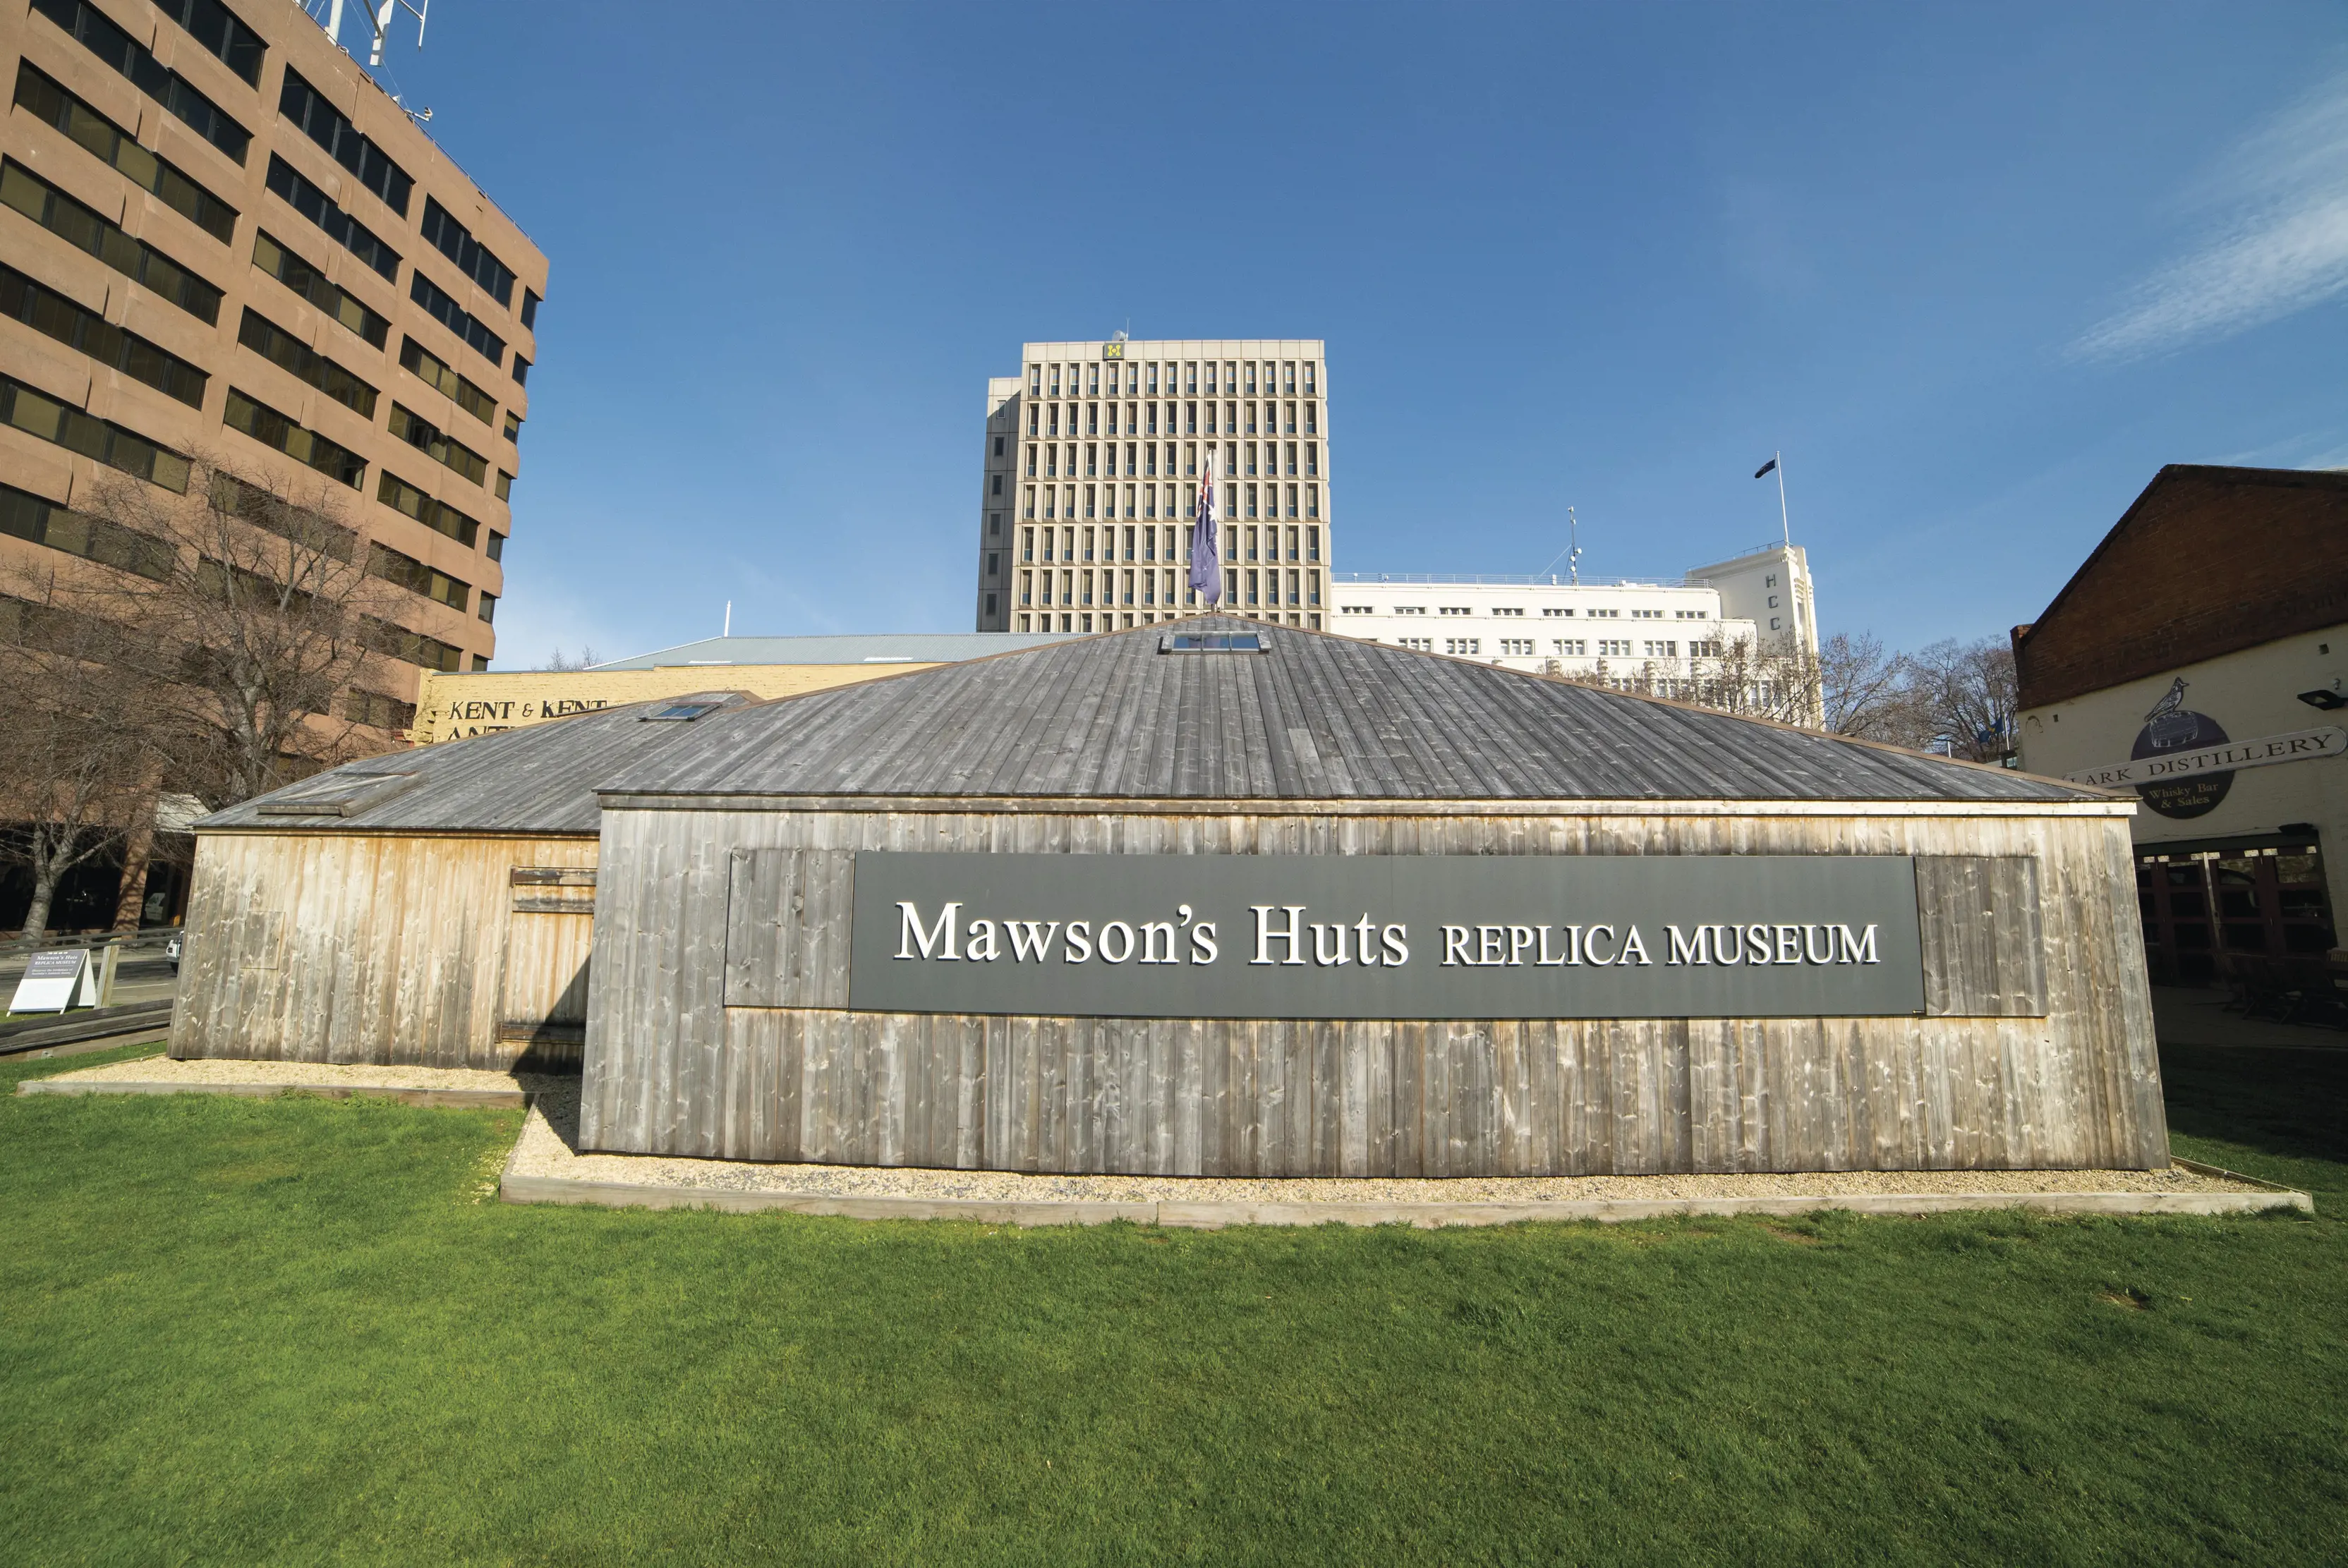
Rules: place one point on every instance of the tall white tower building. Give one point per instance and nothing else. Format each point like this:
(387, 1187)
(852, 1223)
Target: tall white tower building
(1093, 457)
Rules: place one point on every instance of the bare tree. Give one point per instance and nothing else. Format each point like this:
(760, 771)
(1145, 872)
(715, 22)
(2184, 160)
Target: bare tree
(258, 608)
(1966, 695)
(218, 641)
(1958, 699)
(1745, 677)
(586, 660)
(1865, 691)
(1739, 678)
(77, 754)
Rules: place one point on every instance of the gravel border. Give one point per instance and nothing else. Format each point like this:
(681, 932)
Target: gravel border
(450, 1086)
(546, 1167)
(294, 1074)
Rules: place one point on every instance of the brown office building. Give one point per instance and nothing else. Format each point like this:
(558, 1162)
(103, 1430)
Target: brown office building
(218, 235)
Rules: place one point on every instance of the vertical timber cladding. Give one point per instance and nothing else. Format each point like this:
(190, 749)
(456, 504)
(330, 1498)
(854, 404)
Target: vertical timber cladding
(2034, 1049)
(426, 950)
(1382, 937)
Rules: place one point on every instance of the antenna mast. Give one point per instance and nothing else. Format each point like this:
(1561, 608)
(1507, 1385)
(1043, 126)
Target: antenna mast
(378, 21)
(1573, 566)
(1785, 522)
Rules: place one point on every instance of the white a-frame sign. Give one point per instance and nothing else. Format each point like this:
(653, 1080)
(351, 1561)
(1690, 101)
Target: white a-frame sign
(55, 980)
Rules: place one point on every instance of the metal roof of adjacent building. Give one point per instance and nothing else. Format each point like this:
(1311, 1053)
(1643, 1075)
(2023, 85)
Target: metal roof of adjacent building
(1317, 717)
(860, 648)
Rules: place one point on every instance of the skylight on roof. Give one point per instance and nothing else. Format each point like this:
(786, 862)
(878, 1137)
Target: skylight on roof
(1214, 642)
(682, 712)
(336, 794)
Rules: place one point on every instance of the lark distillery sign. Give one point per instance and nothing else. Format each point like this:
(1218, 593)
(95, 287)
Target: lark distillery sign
(1386, 937)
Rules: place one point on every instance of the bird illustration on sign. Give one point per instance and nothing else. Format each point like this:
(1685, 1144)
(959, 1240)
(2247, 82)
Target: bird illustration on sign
(2172, 726)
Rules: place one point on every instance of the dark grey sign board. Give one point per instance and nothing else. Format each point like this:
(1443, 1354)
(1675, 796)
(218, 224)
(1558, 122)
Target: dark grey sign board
(1386, 937)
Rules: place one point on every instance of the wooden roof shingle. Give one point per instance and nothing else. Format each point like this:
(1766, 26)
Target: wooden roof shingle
(1318, 717)
(539, 779)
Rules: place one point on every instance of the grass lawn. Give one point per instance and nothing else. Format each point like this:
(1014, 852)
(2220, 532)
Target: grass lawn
(249, 1332)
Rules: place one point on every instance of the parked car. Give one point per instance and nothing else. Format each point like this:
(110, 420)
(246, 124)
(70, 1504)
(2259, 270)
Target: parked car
(171, 952)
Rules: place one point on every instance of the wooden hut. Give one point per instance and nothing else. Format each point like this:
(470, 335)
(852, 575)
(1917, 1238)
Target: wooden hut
(1220, 899)
(433, 907)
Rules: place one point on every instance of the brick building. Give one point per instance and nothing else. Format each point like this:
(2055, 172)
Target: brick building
(2200, 659)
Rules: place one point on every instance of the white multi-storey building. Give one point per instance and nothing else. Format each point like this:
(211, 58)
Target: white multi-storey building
(1092, 456)
(1654, 632)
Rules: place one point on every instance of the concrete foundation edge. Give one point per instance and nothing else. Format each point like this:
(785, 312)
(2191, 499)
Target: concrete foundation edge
(517, 1189)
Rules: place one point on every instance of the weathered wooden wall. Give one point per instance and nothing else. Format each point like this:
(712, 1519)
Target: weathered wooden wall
(713, 1032)
(412, 950)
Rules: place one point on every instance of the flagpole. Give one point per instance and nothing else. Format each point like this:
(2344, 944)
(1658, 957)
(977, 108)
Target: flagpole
(1785, 522)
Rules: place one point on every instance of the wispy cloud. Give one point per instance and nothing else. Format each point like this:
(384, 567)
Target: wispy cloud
(2276, 242)
(534, 627)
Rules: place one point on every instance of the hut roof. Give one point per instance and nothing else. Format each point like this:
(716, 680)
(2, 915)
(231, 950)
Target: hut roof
(540, 779)
(1315, 717)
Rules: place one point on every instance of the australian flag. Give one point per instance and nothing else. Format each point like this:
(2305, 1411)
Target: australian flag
(1205, 533)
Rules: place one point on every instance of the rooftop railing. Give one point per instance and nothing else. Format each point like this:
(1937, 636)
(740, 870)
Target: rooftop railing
(1499, 579)
(1763, 548)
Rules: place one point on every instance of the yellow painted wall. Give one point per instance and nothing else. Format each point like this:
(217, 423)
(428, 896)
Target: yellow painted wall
(2252, 693)
(450, 707)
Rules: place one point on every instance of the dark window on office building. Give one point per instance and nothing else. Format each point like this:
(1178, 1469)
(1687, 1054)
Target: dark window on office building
(413, 646)
(454, 241)
(271, 428)
(28, 517)
(436, 374)
(38, 413)
(283, 349)
(214, 26)
(442, 308)
(312, 284)
(135, 258)
(373, 708)
(418, 577)
(325, 124)
(434, 442)
(91, 28)
(439, 516)
(52, 106)
(46, 310)
(313, 203)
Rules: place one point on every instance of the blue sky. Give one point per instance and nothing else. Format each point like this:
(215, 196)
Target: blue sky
(1978, 270)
